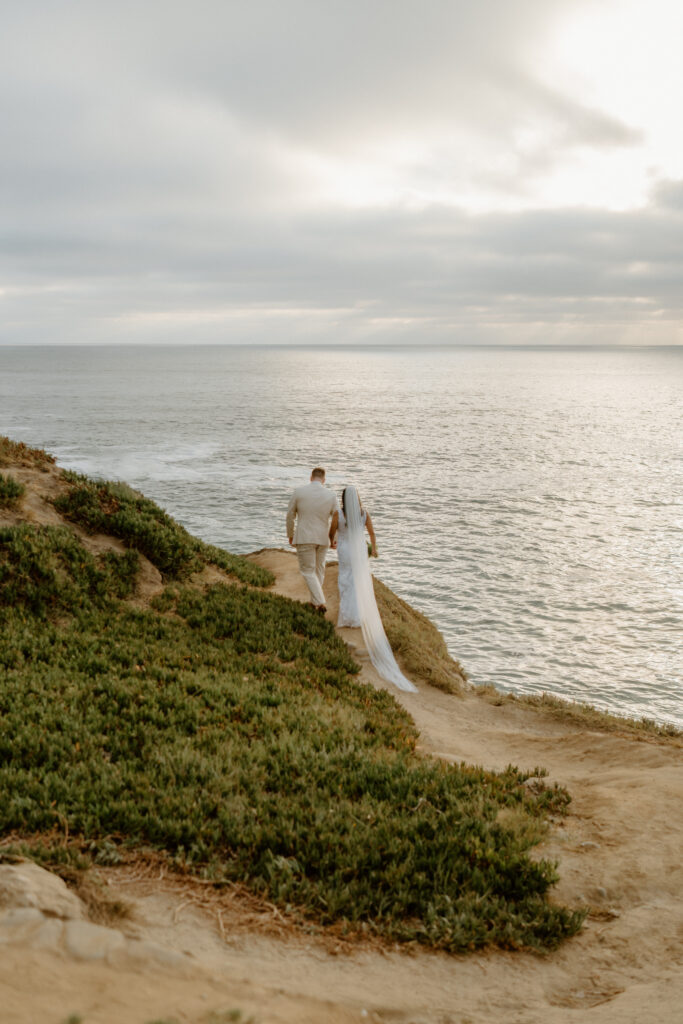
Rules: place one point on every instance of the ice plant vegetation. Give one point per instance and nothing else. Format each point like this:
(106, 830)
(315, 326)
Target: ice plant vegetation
(10, 491)
(225, 726)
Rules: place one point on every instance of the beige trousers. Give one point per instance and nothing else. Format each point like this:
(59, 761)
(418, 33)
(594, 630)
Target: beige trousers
(312, 568)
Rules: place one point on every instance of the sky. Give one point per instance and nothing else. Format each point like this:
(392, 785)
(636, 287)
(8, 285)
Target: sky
(315, 171)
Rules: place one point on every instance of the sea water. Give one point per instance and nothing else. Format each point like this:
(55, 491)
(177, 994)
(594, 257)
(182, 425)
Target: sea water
(527, 500)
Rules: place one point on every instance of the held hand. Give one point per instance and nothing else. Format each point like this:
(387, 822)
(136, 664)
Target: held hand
(333, 545)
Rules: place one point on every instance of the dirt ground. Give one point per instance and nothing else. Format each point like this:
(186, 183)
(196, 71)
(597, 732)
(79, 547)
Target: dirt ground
(619, 853)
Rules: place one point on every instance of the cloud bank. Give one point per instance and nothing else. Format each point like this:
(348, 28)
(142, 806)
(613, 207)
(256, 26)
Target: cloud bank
(298, 172)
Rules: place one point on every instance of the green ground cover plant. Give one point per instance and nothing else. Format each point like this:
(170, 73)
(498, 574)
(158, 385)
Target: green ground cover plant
(118, 510)
(47, 570)
(16, 453)
(10, 491)
(226, 728)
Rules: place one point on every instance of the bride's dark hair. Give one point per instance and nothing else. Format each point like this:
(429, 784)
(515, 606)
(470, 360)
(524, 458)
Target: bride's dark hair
(360, 503)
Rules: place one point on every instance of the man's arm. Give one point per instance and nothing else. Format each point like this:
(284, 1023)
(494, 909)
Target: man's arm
(333, 529)
(291, 513)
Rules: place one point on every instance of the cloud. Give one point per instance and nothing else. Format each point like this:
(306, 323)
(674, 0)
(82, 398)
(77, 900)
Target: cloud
(436, 272)
(285, 170)
(669, 195)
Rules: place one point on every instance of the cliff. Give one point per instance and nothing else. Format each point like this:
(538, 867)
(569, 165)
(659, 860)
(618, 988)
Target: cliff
(183, 737)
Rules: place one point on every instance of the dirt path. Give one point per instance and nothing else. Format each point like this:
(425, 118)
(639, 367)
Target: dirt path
(619, 852)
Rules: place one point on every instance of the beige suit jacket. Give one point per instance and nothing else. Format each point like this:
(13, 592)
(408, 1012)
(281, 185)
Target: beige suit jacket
(311, 506)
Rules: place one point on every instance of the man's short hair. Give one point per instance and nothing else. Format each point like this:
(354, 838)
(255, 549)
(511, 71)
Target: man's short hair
(318, 473)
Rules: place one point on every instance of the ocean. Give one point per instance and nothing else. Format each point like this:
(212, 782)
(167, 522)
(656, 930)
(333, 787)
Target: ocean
(528, 500)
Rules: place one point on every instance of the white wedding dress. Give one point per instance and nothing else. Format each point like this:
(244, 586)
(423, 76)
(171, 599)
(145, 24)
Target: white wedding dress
(357, 605)
(348, 606)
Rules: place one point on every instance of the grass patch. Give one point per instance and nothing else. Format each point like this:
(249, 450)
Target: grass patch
(118, 510)
(418, 643)
(241, 568)
(10, 491)
(46, 571)
(230, 733)
(585, 715)
(16, 453)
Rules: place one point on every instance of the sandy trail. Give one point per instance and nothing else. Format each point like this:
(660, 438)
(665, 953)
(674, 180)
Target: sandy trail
(619, 852)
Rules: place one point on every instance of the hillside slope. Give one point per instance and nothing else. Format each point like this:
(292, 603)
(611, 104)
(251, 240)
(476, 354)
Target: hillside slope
(133, 663)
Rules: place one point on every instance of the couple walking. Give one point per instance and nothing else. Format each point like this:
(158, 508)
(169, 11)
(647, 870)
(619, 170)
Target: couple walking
(314, 522)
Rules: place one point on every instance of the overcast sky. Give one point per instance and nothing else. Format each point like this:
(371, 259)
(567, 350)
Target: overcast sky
(319, 171)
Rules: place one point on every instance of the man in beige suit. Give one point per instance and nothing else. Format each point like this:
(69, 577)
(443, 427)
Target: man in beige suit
(311, 506)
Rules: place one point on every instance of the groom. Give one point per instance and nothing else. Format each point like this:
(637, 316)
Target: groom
(311, 506)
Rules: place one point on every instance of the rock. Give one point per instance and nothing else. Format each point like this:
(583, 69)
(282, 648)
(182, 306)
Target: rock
(87, 941)
(48, 935)
(38, 911)
(143, 950)
(27, 885)
(589, 845)
(18, 923)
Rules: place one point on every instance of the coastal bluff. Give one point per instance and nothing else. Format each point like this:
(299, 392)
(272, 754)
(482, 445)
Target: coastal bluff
(135, 940)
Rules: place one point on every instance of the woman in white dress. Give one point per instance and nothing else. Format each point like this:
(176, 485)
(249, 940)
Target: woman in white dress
(357, 605)
(339, 539)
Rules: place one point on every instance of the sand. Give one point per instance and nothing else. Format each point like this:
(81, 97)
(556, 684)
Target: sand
(619, 852)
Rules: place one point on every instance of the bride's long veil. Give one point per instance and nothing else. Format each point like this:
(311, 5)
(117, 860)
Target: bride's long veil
(374, 636)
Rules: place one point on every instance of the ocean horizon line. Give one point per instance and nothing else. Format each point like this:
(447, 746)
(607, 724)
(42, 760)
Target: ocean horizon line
(353, 346)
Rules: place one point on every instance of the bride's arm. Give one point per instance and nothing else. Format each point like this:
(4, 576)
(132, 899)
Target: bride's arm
(371, 532)
(333, 529)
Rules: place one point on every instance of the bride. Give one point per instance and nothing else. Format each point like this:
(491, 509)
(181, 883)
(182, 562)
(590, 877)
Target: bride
(357, 605)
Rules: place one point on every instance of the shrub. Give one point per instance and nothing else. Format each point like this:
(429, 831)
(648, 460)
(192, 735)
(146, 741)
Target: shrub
(16, 453)
(116, 509)
(10, 491)
(232, 734)
(46, 570)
